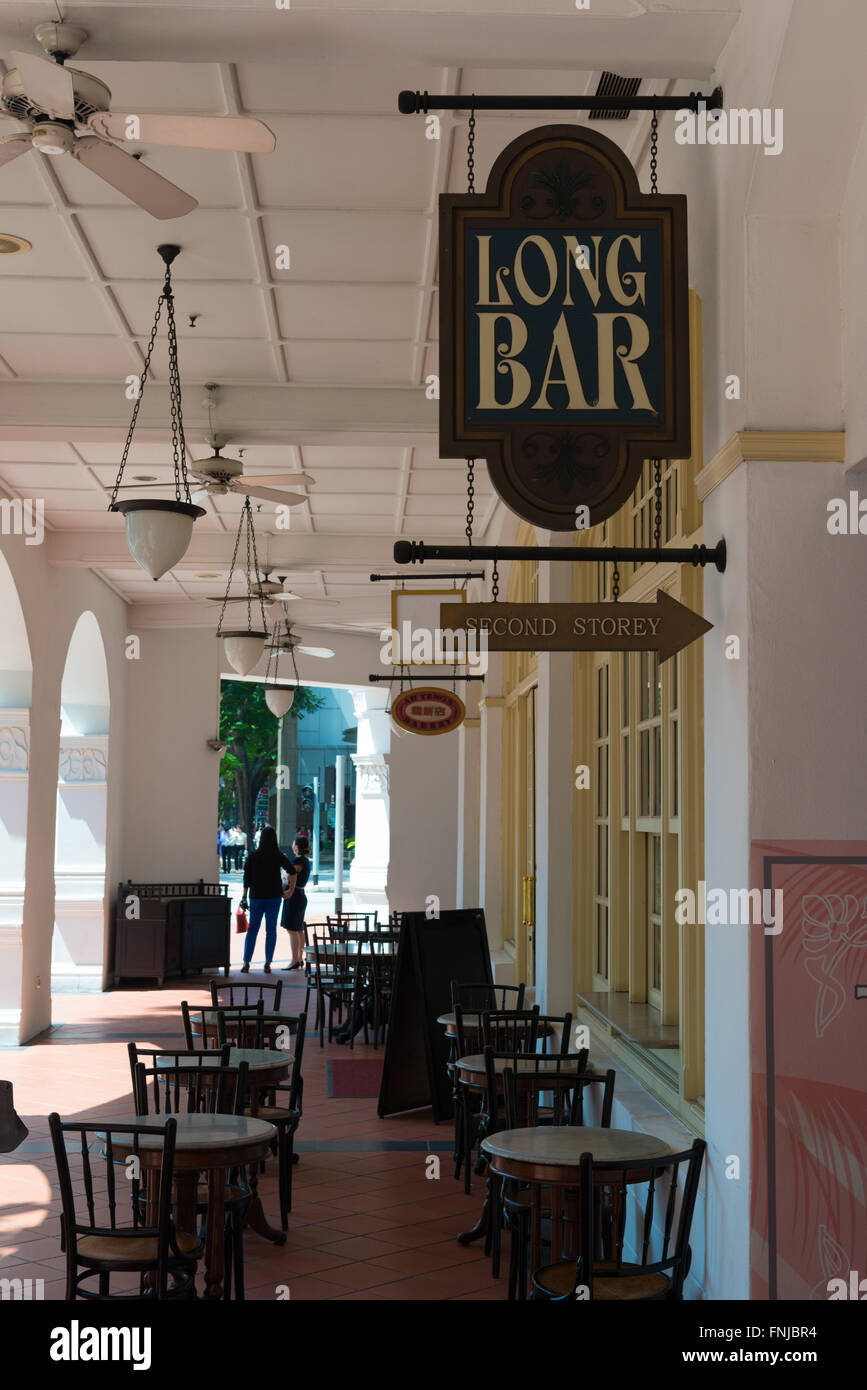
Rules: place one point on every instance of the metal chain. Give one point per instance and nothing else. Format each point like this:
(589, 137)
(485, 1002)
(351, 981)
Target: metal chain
(657, 506)
(654, 151)
(471, 493)
(252, 541)
(179, 444)
(141, 385)
(231, 573)
(615, 583)
(471, 148)
(495, 583)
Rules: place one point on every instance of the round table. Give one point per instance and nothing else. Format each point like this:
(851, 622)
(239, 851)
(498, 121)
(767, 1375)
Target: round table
(205, 1143)
(271, 1018)
(268, 1067)
(549, 1156)
(470, 1070)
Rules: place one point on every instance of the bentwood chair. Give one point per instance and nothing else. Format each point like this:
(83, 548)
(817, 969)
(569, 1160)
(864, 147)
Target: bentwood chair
(381, 967)
(568, 1083)
(191, 1061)
(287, 1117)
(241, 1027)
(96, 1240)
(235, 994)
(340, 980)
(200, 1027)
(659, 1235)
(195, 1087)
(469, 1000)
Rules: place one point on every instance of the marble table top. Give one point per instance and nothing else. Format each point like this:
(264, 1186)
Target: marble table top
(564, 1145)
(196, 1131)
(257, 1058)
(533, 1061)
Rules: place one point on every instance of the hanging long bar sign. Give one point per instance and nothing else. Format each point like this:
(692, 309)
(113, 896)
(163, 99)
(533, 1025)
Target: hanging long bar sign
(564, 332)
(665, 626)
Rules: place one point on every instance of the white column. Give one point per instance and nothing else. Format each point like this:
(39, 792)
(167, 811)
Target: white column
(469, 739)
(491, 801)
(14, 773)
(555, 789)
(79, 873)
(369, 869)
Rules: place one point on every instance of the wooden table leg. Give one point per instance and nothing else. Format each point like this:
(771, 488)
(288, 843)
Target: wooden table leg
(214, 1235)
(483, 1224)
(256, 1219)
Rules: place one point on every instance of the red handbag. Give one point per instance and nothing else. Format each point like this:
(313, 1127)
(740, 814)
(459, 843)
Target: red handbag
(241, 920)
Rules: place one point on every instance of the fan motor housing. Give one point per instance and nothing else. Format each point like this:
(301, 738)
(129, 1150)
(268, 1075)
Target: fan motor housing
(53, 137)
(90, 95)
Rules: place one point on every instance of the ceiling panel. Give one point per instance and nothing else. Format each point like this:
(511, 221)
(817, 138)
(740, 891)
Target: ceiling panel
(350, 363)
(317, 456)
(353, 480)
(316, 88)
(42, 355)
(138, 87)
(330, 162)
(34, 451)
(346, 311)
(360, 503)
(22, 181)
(36, 476)
(223, 310)
(140, 453)
(55, 253)
(356, 246)
(215, 245)
(54, 306)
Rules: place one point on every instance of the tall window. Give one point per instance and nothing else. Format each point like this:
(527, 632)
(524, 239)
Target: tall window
(599, 776)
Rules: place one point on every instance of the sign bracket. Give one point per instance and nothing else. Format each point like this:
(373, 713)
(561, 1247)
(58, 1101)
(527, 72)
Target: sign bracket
(420, 103)
(416, 552)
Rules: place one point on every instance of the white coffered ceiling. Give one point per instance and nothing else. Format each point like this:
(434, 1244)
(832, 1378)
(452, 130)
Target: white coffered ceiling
(321, 366)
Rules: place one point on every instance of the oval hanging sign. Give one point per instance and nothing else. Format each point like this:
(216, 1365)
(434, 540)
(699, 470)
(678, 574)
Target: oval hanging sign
(428, 710)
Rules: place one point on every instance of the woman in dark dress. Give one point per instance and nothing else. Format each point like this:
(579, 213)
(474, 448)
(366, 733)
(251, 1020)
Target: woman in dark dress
(264, 887)
(295, 901)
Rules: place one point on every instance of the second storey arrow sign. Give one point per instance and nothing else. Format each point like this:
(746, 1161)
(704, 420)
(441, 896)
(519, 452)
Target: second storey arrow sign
(665, 626)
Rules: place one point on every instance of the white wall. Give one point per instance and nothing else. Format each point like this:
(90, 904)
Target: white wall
(423, 779)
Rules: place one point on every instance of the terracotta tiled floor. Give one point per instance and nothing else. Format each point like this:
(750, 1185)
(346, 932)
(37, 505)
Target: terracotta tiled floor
(366, 1222)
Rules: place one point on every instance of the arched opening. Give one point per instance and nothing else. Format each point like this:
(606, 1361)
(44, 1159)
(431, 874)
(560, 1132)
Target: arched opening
(15, 688)
(82, 790)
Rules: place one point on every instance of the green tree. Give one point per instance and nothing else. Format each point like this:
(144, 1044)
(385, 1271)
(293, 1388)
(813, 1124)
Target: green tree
(250, 732)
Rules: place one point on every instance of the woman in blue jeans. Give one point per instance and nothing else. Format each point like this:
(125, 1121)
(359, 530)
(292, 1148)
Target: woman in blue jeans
(263, 885)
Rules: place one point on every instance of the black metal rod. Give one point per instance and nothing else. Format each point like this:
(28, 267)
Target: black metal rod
(419, 103)
(376, 577)
(416, 552)
(449, 676)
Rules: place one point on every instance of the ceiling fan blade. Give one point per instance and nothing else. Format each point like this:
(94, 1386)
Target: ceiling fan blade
(299, 598)
(315, 651)
(135, 180)
(11, 146)
(48, 85)
(267, 494)
(279, 479)
(238, 133)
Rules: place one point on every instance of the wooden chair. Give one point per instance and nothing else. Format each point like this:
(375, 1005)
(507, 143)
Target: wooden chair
(228, 996)
(340, 979)
(98, 1245)
(510, 1030)
(383, 961)
(287, 1117)
(342, 923)
(661, 1232)
(238, 1027)
(199, 1027)
(567, 1080)
(548, 1025)
(195, 1087)
(191, 1061)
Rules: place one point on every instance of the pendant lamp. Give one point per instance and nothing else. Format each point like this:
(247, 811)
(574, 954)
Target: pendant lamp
(244, 645)
(159, 531)
(279, 695)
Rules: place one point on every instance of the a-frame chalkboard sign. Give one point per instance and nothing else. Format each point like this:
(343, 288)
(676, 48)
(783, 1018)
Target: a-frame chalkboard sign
(432, 953)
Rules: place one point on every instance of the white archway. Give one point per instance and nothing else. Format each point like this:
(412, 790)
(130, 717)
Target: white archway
(15, 690)
(82, 791)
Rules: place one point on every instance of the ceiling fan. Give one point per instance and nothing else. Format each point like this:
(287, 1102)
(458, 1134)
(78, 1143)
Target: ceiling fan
(67, 112)
(272, 593)
(219, 476)
(285, 640)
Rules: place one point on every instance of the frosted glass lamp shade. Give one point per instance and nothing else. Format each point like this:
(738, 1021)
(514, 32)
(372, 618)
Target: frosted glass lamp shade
(279, 699)
(158, 532)
(243, 649)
